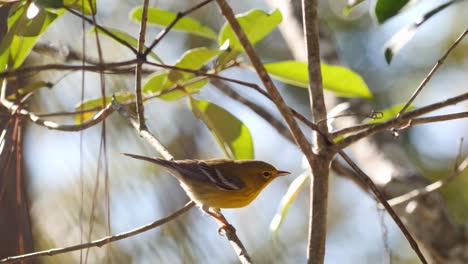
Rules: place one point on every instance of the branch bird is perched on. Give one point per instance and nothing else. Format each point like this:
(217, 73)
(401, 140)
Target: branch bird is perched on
(219, 183)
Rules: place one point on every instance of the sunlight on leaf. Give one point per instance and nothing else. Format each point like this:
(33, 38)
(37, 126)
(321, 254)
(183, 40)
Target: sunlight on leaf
(256, 25)
(226, 57)
(22, 35)
(164, 18)
(337, 79)
(232, 135)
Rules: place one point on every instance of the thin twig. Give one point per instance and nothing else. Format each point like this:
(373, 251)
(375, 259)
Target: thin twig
(103, 29)
(403, 121)
(166, 30)
(13, 108)
(283, 130)
(259, 110)
(103, 241)
(349, 130)
(429, 188)
(439, 118)
(374, 128)
(365, 178)
(412, 122)
(103, 145)
(81, 116)
(235, 242)
(138, 70)
(285, 111)
(431, 73)
(69, 113)
(160, 148)
(61, 67)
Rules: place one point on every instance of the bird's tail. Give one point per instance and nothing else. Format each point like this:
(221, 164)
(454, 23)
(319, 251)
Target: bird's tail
(162, 162)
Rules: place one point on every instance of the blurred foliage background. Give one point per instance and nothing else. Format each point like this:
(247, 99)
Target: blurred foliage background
(62, 167)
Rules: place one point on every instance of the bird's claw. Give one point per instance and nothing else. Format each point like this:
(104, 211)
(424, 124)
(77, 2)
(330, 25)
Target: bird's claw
(224, 228)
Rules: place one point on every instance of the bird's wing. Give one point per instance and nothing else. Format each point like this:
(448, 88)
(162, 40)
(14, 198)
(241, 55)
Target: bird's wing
(196, 170)
(200, 170)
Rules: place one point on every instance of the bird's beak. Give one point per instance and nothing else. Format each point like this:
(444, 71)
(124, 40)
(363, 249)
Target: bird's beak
(282, 173)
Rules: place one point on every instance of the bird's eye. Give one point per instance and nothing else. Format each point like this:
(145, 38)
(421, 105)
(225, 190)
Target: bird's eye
(266, 174)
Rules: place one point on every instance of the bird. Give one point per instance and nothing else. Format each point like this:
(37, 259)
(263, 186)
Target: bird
(219, 183)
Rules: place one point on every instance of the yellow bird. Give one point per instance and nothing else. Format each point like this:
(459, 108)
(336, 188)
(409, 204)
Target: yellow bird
(219, 183)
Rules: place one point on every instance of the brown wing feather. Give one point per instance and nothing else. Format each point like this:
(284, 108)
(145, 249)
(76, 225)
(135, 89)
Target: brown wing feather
(196, 170)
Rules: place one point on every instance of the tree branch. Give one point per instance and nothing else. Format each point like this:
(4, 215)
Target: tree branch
(412, 122)
(103, 241)
(285, 111)
(13, 108)
(403, 121)
(431, 73)
(138, 70)
(321, 168)
(262, 112)
(429, 188)
(385, 204)
(166, 30)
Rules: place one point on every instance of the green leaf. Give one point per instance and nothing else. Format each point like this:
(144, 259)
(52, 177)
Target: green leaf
(50, 3)
(226, 57)
(406, 34)
(187, 89)
(119, 35)
(385, 9)
(197, 57)
(387, 114)
(256, 25)
(81, 6)
(164, 18)
(22, 34)
(96, 104)
(192, 59)
(344, 82)
(231, 134)
(35, 26)
(288, 198)
(30, 88)
(337, 79)
(155, 82)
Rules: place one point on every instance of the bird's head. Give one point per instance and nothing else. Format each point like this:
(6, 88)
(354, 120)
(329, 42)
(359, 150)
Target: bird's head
(258, 173)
